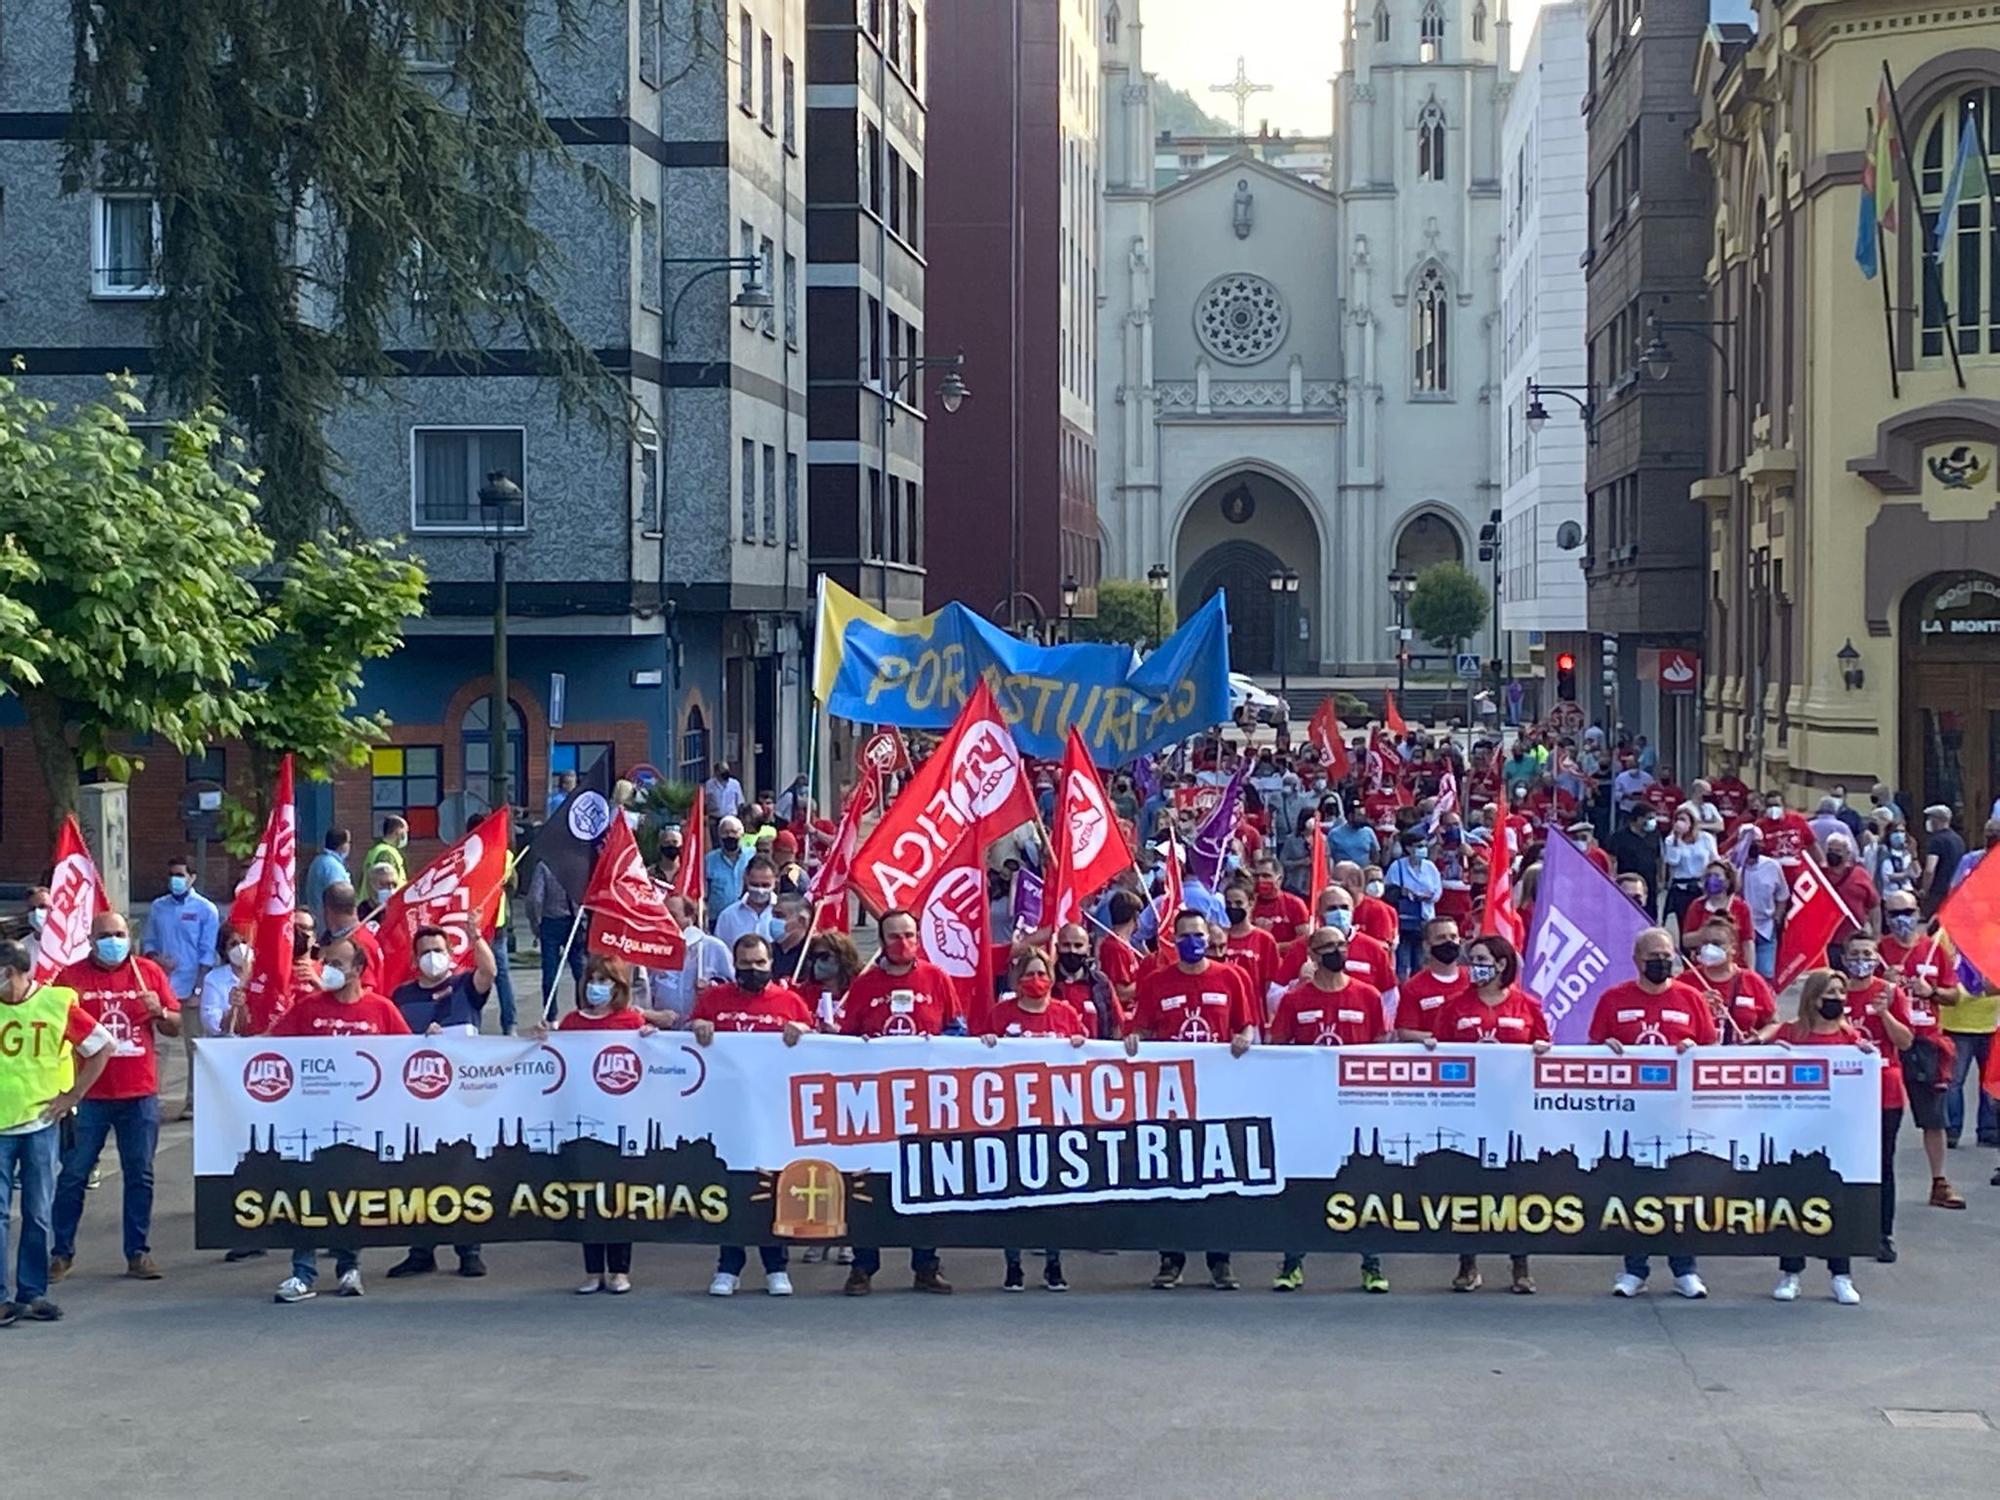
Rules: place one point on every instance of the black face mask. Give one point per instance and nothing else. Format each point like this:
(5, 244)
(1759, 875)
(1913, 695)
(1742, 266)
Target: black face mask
(669, 852)
(1237, 914)
(1832, 1008)
(752, 980)
(1333, 960)
(1657, 970)
(1072, 964)
(730, 841)
(1446, 953)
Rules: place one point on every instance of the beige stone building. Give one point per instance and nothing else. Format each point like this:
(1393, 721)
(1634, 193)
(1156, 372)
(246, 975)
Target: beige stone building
(1854, 543)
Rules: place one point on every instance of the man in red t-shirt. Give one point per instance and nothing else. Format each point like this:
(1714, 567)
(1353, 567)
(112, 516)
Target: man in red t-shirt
(1788, 837)
(1741, 1000)
(1276, 910)
(1583, 838)
(1421, 997)
(1372, 914)
(1654, 1010)
(1251, 948)
(902, 995)
(1731, 796)
(1116, 954)
(1080, 984)
(1371, 962)
(132, 999)
(1195, 1000)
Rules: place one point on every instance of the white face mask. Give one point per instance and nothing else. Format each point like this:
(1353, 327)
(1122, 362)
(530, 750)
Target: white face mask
(239, 955)
(1710, 954)
(1374, 888)
(433, 965)
(332, 978)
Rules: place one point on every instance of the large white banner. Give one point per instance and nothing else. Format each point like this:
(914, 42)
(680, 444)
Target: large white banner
(943, 1141)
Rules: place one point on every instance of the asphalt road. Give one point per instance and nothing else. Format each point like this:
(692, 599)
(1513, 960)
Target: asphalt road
(200, 1386)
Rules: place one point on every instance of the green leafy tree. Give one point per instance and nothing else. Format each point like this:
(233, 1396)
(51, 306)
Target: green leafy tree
(1449, 604)
(1125, 614)
(336, 179)
(1176, 112)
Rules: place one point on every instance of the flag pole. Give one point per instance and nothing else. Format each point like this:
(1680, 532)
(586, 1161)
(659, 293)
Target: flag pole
(1933, 273)
(1882, 274)
(812, 931)
(549, 998)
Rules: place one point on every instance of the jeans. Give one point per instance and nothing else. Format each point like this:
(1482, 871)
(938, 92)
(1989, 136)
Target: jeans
(868, 1259)
(1295, 1260)
(553, 932)
(136, 1124)
(1836, 1265)
(1050, 1258)
(1767, 957)
(305, 1263)
(1409, 951)
(614, 1258)
(35, 1155)
(732, 1258)
(1973, 1047)
(1641, 1265)
(503, 979)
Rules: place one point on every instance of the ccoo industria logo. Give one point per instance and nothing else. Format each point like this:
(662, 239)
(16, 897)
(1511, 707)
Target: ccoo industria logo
(427, 1074)
(267, 1077)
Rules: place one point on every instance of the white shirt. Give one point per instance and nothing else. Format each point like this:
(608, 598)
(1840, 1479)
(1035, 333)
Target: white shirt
(1708, 817)
(216, 987)
(740, 918)
(707, 962)
(1687, 858)
(722, 799)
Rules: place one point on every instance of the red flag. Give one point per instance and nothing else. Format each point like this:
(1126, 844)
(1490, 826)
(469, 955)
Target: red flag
(1172, 897)
(1499, 914)
(694, 850)
(1391, 717)
(243, 906)
(1447, 797)
(467, 877)
(1327, 734)
(829, 882)
(76, 896)
(1971, 916)
(885, 751)
(628, 913)
(268, 989)
(952, 920)
(973, 789)
(1318, 872)
(1815, 914)
(1090, 847)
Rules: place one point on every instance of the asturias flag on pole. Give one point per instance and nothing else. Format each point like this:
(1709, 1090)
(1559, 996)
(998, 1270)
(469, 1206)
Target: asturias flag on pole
(1582, 939)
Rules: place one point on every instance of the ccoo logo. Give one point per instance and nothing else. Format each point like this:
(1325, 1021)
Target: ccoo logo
(427, 1074)
(267, 1077)
(617, 1070)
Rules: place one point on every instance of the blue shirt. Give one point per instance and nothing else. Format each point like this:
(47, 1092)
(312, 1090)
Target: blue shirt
(1422, 884)
(456, 1002)
(180, 933)
(326, 869)
(722, 877)
(1194, 897)
(1355, 845)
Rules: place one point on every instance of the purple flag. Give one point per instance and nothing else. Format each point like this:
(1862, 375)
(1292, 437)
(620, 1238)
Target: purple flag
(1145, 778)
(1027, 901)
(1211, 840)
(1582, 940)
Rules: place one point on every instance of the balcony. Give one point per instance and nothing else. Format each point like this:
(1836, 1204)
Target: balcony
(1203, 399)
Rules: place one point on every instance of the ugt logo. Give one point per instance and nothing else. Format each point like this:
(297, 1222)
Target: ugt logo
(617, 1070)
(427, 1074)
(267, 1077)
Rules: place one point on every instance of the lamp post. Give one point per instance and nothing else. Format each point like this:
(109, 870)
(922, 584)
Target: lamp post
(498, 495)
(1585, 397)
(1284, 584)
(1070, 590)
(1401, 586)
(1156, 579)
(1657, 360)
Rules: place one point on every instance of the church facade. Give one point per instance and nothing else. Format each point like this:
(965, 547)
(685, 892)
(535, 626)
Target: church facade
(1301, 378)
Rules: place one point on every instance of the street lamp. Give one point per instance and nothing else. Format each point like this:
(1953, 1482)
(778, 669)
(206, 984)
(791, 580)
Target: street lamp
(952, 391)
(1585, 397)
(1284, 584)
(1401, 586)
(499, 495)
(1657, 360)
(1156, 579)
(1070, 590)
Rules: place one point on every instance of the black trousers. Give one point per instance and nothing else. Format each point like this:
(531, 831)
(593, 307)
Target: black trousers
(615, 1259)
(1892, 1125)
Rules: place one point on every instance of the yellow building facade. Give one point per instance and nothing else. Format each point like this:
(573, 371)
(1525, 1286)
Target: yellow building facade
(1853, 493)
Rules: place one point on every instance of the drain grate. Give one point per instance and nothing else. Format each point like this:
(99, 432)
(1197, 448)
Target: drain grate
(1938, 1421)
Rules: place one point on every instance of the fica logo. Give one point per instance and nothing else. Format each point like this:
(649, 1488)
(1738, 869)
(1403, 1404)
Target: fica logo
(267, 1077)
(427, 1074)
(617, 1070)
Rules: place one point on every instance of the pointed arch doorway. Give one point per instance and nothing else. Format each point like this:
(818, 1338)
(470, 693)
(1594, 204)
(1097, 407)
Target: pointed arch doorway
(1240, 529)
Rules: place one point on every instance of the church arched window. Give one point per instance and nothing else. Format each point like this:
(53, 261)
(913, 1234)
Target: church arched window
(1479, 23)
(1430, 143)
(1971, 240)
(1381, 25)
(1430, 32)
(1111, 27)
(1432, 314)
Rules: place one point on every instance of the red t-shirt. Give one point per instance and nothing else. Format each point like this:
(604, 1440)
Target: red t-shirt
(1057, 1018)
(1175, 1006)
(1732, 799)
(1788, 838)
(730, 1008)
(1377, 918)
(116, 1000)
(1858, 892)
(1421, 998)
(878, 1003)
(1118, 959)
(1895, 1094)
(1736, 912)
(366, 940)
(1080, 995)
(1663, 797)
(1256, 954)
(1467, 1018)
(1746, 995)
(627, 1019)
(322, 1015)
(1309, 1016)
(1281, 915)
(1927, 959)
(1679, 1013)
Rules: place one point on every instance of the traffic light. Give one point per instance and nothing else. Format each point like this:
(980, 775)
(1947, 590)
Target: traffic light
(1566, 677)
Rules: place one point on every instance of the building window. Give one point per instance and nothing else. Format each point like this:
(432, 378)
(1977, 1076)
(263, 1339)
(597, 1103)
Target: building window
(895, 552)
(916, 523)
(1111, 27)
(746, 62)
(693, 768)
(475, 744)
(1968, 264)
(404, 780)
(447, 467)
(770, 496)
(916, 49)
(791, 108)
(767, 110)
(125, 246)
(1430, 142)
(749, 500)
(871, 184)
(650, 266)
(746, 234)
(649, 43)
(872, 339)
(1430, 33)
(1381, 24)
(912, 219)
(873, 542)
(792, 301)
(893, 170)
(767, 264)
(208, 765)
(578, 757)
(1432, 320)
(1479, 23)
(792, 538)
(895, 33)
(647, 449)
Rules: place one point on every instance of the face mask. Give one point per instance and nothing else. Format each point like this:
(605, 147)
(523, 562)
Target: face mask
(1752, 855)
(1332, 958)
(1860, 967)
(1035, 986)
(1192, 949)
(670, 852)
(1715, 885)
(758, 895)
(178, 884)
(1774, 810)
(750, 981)
(1237, 915)
(433, 965)
(1339, 918)
(730, 841)
(1710, 954)
(1446, 953)
(1647, 825)
(112, 950)
(1835, 858)
(900, 949)
(1902, 923)
(1657, 970)
(383, 893)
(1374, 888)
(239, 955)
(597, 993)
(1582, 844)
(1897, 840)
(37, 915)
(1416, 854)
(1832, 1008)
(1072, 964)
(333, 979)
(1482, 973)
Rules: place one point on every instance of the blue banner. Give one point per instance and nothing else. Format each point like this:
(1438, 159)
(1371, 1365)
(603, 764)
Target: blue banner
(916, 674)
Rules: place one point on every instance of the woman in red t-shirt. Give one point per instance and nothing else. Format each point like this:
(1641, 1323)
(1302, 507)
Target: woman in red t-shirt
(1030, 1009)
(1821, 1022)
(604, 1004)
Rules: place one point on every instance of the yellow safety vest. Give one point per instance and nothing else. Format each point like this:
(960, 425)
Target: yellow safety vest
(35, 1061)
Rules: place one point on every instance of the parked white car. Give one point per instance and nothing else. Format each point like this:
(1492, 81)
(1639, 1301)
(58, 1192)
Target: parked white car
(1251, 704)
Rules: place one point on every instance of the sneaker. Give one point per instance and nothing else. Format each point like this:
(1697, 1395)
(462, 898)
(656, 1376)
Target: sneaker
(1628, 1285)
(778, 1283)
(1468, 1278)
(1951, 1143)
(1787, 1289)
(812, 1255)
(724, 1285)
(59, 1268)
(471, 1264)
(859, 1284)
(1373, 1280)
(1053, 1279)
(1289, 1279)
(1885, 1253)
(843, 1255)
(1523, 1285)
(1944, 1195)
(1222, 1279)
(94, 1181)
(618, 1283)
(142, 1268)
(1168, 1276)
(10, 1314)
(350, 1283)
(1845, 1292)
(293, 1289)
(1690, 1286)
(589, 1288)
(232, 1257)
(1013, 1281)
(41, 1310)
(931, 1281)
(416, 1263)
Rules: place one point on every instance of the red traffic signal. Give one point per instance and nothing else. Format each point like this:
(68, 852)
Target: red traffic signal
(1566, 662)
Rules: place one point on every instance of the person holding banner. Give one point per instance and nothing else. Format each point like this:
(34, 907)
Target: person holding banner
(1491, 1007)
(1745, 1009)
(828, 969)
(1822, 1021)
(1081, 985)
(1421, 997)
(1654, 1010)
(1031, 1009)
(603, 1004)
